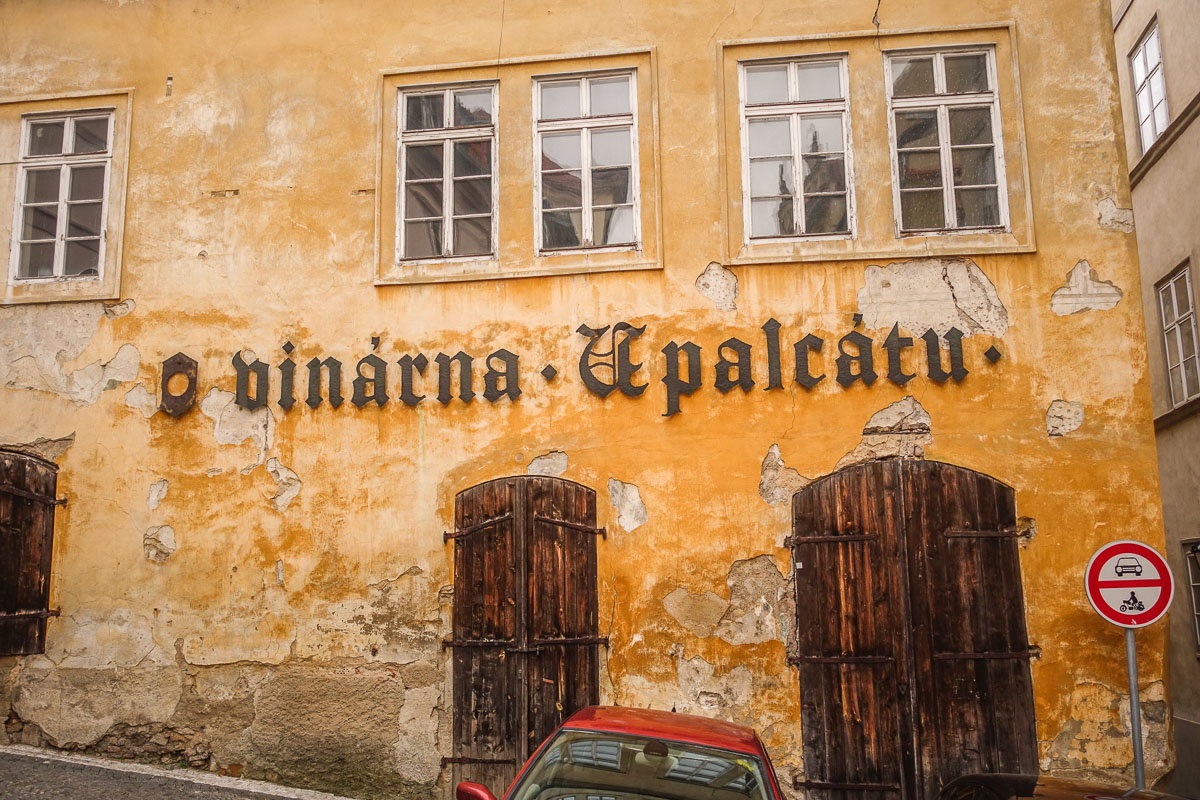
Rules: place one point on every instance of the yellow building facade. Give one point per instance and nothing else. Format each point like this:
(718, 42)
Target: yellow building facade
(416, 374)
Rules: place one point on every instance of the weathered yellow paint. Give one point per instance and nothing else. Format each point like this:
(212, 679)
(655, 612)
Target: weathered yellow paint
(289, 104)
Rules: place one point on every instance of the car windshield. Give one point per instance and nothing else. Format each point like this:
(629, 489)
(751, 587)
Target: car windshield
(588, 765)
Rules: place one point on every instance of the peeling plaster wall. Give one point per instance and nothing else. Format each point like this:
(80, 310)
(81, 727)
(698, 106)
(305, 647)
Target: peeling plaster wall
(278, 611)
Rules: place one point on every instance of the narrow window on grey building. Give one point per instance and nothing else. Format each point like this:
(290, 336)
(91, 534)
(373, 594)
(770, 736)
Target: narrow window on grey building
(1191, 558)
(1149, 87)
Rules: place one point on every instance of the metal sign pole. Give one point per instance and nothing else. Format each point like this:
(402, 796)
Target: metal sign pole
(1135, 709)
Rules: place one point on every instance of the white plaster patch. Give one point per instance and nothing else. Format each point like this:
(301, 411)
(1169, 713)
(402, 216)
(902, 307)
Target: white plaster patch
(104, 638)
(778, 482)
(42, 447)
(158, 490)
(627, 499)
(759, 602)
(141, 399)
(1084, 291)
(279, 572)
(720, 285)
(699, 613)
(416, 749)
(159, 543)
(287, 484)
(901, 429)
(706, 693)
(233, 424)
(937, 293)
(552, 464)
(118, 310)
(1062, 417)
(1114, 218)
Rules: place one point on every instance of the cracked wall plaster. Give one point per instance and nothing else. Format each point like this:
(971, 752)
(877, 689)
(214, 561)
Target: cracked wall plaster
(1062, 417)
(233, 424)
(287, 484)
(778, 482)
(49, 449)
(699, 613)
(901, 429)
(1084, 291)
(279, 572)
(118, 310)
(1114, 218)
(552, 464)
(139, 398)
(706, 693)
(720, 285)
(416, 749)
(760, 607)
(1096, 738)
(938, 293)
(625, 497)
(158, 490)
(159, 543)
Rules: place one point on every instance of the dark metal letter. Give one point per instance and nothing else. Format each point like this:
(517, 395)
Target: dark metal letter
(407, 365)
(377, 380)
(491, 379)
(895, 344)
(261, 385)
(615, 359)
(745, 379)
(314, 382)
(675, 386)
(863, 357)
(774, 376)
(803, 376)
(287, 380)
(178, 404)
(933, 351)
(464, 377)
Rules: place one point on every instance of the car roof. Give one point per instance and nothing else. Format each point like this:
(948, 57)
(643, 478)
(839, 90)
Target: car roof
(667, 725)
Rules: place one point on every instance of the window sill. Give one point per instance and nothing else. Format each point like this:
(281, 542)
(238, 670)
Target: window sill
(965, 243)
(60, 290)
(1178, 414)
(576, 263)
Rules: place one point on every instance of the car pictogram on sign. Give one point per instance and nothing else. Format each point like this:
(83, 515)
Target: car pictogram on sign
(1128, 565)
(1129, 584)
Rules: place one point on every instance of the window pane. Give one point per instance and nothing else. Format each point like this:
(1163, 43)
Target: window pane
(770, 137)
(609, 95)
(824, 174)
(422, 200)
(36, 261)
(562, 229)
(1139, 66)
(613, 225)
(423, 239)
(821, 134)
(966, 73)
(1182, 302)
(562, 190)
(974, 166)
(611, 148)
(920, 170)
(46, 138)
(473, 107)
(1177, 395)
(610, 187)
(1168, 307)
(922, 209)
(1188, 340)
(772, 217)
(561, 151)
(1153, 53)
(826, 214)
(977, 207)
(819, 81)
(916, 129)
(767, 84)
(560, 100)
(473, 196)
(1190, 379)
(1147, 133)
(424, 111)
(1160, 117)
(472, 158)
(1172, 347)
(41, 222)
(83, 258)
(912, 76)
(91, 135)
(83, 219)
(970, 126)
(473, 237)
(87, 183)
(422, 161)
(770, 177)
(41, 186)
(1143, 103)
(1157, 89)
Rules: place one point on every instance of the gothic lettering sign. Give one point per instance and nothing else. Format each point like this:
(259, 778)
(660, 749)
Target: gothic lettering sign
(610, 361)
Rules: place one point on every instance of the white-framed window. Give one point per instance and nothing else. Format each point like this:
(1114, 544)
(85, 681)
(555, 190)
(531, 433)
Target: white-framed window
(446, 173)
(947, 154)
(1149, 87)
(62, 196)
(1179, 335)
(796, 159)
(1191, 560)
(585, 147)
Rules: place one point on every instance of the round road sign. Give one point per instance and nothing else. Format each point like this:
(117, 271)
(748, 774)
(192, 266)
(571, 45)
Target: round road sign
(1129, 584)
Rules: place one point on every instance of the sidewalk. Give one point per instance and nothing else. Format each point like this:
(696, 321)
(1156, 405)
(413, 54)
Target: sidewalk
(31, 773)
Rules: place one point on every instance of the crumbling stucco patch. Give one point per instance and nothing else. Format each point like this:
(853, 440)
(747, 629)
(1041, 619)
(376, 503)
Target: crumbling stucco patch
(105, 638)
(49, 449)
(720, 285)
(83, 386)
(118, 310)
(159, 543)
(625, 497)
(760, 603)
(158, 490)
(233, 424)
(287, 484)
(1084, 291)
(938, 293)
(778, 482)
(1096, 739)
(699, 613)
(902, 429)
(706, 693)
(1062, 417)
(279, 572)
(552, 464)
(141, 399)
(417, 756)
(1114, 218)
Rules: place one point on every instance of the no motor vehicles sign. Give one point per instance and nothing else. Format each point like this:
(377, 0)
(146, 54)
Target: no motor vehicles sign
(1129, 584)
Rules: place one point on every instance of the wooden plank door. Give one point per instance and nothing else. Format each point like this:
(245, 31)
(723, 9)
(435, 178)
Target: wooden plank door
(525, 629)
(27, 502)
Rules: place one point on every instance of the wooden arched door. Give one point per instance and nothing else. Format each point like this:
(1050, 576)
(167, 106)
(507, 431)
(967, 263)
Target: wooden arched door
(526, 628)
(911, 641)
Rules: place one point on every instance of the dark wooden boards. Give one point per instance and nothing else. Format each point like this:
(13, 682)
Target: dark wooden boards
(27, 503)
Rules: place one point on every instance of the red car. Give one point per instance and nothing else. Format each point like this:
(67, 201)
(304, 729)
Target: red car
(610, 753)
